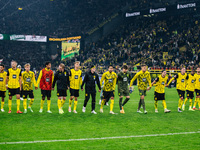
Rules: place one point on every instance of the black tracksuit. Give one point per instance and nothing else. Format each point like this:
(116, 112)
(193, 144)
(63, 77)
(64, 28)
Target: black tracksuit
(62, 79)
(90, 87)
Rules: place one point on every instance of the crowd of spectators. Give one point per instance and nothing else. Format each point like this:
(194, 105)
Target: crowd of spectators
(161, 43)
(63, 18)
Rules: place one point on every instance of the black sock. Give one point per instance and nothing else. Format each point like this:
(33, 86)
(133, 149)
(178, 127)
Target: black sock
(120, 103)
(139, 105)
(125, 101)
(143, 103)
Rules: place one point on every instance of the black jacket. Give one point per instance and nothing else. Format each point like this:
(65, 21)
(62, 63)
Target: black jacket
(89, 81)
(62, 79)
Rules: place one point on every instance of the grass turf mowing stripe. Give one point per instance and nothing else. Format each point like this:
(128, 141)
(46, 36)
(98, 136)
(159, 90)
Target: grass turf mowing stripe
(102, 138)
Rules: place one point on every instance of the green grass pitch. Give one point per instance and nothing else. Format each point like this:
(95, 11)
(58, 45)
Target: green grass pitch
(40, 127)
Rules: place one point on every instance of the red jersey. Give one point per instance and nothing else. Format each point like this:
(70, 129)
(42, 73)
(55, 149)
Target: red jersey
(46, 79)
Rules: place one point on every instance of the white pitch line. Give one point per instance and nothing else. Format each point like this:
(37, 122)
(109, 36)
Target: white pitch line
(102, 138)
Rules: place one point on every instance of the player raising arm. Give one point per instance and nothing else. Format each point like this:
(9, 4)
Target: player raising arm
(143, 78)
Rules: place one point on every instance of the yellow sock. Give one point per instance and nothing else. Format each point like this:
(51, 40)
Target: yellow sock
(190, 105)
(42, 104)
(102, 104)
(48, 104)
(185, 101)
(9, 104)
(18, 104)
(70, 103)
(164, 104)
(25, 103)
(59, 103)
(111, 104)
(2, 104)
(31, 102)
(75, 104)
(156, 105)
(179, 103)
(195, 103)
(62, 103)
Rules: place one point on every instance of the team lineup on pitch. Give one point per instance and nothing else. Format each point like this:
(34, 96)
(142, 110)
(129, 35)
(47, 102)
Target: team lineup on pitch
(22, 83)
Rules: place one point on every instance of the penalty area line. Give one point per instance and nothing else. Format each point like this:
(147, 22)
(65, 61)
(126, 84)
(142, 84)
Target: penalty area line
(101, 138)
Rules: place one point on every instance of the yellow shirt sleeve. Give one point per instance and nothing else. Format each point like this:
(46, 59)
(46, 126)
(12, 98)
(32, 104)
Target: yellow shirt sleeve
(170, 81)
(149, 80)
(52, 77)
(114, 82)
(102, 79)
(39, 78)
(133, 79)
(34, 81)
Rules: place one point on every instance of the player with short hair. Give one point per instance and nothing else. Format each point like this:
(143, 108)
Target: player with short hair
(109, 78)
(190, 87)
(159, 93)
(90, 87)
(28, 79)
(14, 85)
(143, 78)
(75, 79)
(197, 88)
(123, 78)
(3, 76)
(180, 85)
(45, 79)
(62, 79)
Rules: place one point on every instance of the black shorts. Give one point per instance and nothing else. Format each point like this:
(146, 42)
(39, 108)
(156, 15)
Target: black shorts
(197, 92)
(123, 92)
(181, 93)
(107, 95)
(190, 94)
(74, 92)
(142, 92)
(3, 94)
(12, 92)
(28, 93)
(46, 93)
(159, 96)
(61, 92)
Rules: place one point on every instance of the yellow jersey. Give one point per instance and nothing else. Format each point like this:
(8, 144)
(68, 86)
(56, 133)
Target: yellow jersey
(13, 76)
(110, 80)
(75, 79)
(28, 79)
(3, 76)
(190, 84)
(160, 84)
(143, 79)
(180, 81)
(197, 81)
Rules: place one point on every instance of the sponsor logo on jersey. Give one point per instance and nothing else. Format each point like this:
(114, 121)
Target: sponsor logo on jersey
(76, 77)
(182, 80)
(163, 83)
(125, 79)
(144, 79)
(47, 79)
(110, 80)
(192, 81)
(14, 76)
(28, 80)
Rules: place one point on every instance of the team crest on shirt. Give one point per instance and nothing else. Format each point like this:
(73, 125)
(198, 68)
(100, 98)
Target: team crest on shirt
(1, 79)
(182, 80)
(14, 76)
(199, 79)
(144, 79)
(94, 77)
(65, 73)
